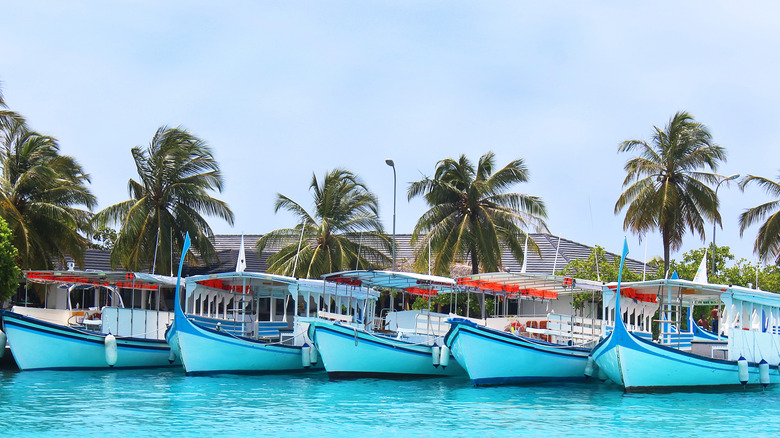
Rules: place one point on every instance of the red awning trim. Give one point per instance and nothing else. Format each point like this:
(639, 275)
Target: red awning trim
(129, 283)
(216, 283)
(630, 292)
(421, 291)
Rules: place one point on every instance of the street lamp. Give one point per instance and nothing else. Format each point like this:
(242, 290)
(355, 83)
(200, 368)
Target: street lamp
(728, 178)
(392, 164)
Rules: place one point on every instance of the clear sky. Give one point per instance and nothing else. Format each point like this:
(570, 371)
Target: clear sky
(282, 90)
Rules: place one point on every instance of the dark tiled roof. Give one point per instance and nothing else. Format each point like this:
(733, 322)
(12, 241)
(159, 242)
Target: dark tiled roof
(556, 253)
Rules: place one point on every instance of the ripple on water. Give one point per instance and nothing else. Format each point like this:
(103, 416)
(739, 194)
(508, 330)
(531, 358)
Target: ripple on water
(167, 403)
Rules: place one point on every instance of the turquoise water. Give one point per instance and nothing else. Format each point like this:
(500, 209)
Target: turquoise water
(167, 403)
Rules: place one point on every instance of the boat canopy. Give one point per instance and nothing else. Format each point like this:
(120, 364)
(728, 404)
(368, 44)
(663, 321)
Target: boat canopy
(409, 282)
(684, 292)
(125, 280)
(526, 286)
(323, 288)
(264, 284)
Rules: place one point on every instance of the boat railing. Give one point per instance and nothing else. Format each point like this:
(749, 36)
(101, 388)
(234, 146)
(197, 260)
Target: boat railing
(380, 324)
(563, 328)
(431, 323)
(136, 323)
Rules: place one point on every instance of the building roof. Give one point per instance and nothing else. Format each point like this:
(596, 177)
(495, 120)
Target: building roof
(556, 253)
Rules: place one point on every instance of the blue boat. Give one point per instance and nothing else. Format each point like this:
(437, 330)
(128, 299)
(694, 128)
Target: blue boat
(403, 344)
(249, 322)
(545, 341)
(751, 354)
(94, 330)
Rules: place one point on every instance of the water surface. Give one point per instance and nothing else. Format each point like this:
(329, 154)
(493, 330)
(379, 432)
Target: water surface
(168, 403)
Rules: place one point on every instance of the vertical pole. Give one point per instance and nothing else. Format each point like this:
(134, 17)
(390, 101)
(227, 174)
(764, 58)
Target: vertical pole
(390, 163)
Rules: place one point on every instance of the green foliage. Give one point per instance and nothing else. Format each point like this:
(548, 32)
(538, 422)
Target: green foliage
(687, 267)
(10, 274)
(340, 234)
(605, 270)
(176, 173)
(40, 194)
(104, 238)
(449, 303)
(471, 216)
(740, 273)
(666, 187)
(767, 243)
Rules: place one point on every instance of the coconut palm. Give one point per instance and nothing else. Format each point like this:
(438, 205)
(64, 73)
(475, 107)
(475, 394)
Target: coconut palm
(471, 216)
(666, 187)
(176, 173)
(8, 118)
(342, 232)
(768, 239)
(40, 195)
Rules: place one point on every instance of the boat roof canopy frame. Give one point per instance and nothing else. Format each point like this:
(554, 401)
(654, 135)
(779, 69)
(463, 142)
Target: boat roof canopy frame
(118, 279)
(526, 286)
(409, 282)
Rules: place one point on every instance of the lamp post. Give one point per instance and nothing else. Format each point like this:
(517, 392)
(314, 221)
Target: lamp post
(728, 178)
(392, 164)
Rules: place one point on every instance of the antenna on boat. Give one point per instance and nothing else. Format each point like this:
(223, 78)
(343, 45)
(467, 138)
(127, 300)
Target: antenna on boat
(300, 241)
(156, 245)
(595, 249)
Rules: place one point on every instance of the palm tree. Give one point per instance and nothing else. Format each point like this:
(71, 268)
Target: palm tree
(340, 234)
(768, 238)
(471, 216)
(40, 192)
(176, 172)
(8, 118)
(666, 187)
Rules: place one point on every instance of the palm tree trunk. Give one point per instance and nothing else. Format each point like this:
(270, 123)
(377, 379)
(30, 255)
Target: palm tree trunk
(475, 270)
(667, 244)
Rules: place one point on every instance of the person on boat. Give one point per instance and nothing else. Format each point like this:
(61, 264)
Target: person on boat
(714, 314)
(703, 322)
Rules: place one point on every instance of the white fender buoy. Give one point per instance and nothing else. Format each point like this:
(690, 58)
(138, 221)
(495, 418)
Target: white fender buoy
(314, 355)
(306, 356)
(111, 354)
(172, 356)
(602, 375)
(444, 358)
(436, 356)
(589, 367)
(742, 368)
(763, 372)
(3, 339)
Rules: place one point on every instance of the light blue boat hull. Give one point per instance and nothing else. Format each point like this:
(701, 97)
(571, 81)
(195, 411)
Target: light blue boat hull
(39, 345)
(639, 366)
(493, 357)
(347, 352)
(207, 351)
